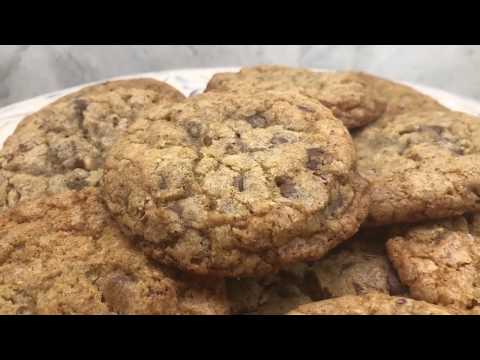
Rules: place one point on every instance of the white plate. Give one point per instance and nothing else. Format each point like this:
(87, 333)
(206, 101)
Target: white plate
(189, 81)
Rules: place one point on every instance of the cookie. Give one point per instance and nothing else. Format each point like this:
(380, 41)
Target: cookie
(64, 255)
(273, 294)
(62, 146)
(371, 304)
(237, 184)
(421, 166)
(358, 267)
(398, 98)
(346, 94)
(440, 261)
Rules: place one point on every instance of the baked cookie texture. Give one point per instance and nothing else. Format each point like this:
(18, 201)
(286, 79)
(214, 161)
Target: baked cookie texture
(348, 95)
(398, 98)
(372, 304)
(440, 261)
(358, 267)
(237, 184)
(62, 146)
(64, 255)
(421, 166)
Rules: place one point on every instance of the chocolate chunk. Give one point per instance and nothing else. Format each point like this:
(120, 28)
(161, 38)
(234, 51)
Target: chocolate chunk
(286, 186)
(335, 202)
(257, 121)
(359, 290)
(207, 141)
(278, 139)
(239, 182)
(305, 108)
(317, 158)
(194, 129)
(162, 183)
(80, 105)
(76, 183)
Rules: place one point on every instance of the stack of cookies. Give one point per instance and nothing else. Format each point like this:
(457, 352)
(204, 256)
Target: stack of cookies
(276, 191)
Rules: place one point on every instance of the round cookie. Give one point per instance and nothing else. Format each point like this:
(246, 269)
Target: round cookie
(421, 166)
(62, 146)
(440, 261)
(64, 255)
(346, 94)
(237, 184)
(358, 267)
(371, 304)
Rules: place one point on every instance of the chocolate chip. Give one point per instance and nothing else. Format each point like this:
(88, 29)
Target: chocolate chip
(207, 141)
(23, 148)
(306, 109)
(257, 121)
(286, 186)
(401, 301)
(278, 139)
(317, 158)
(358, 288)
(76, 183)
(194, 129)
(239, 183)
(394, 285)
(80, 105)
(162, 183)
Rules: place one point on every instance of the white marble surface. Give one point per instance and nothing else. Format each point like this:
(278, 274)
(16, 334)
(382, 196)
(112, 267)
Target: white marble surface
(30, 70)
(190, 81)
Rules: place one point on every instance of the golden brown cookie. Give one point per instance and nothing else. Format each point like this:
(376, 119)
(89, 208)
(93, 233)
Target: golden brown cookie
(237, 184)
(62, 146)
(421, 166)
(440, 261)
(371, 304)
(349, 96)
(64, 255)
(358, 267)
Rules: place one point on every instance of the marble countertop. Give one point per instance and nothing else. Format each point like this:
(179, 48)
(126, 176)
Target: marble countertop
(30, 70)
(190, 81)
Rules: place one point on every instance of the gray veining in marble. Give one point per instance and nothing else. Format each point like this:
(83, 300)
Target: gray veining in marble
(30, 70)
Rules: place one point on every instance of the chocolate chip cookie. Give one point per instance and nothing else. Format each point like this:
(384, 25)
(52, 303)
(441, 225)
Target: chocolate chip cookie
(274, 294)
(64, 255)
(358, 267)
(423, 165)
(371, 304)
(237, 184)
(440, 261)
(349, 96)
(398, 98)
(62, 146)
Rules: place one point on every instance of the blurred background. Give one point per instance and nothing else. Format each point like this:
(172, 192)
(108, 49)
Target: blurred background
(31, 70)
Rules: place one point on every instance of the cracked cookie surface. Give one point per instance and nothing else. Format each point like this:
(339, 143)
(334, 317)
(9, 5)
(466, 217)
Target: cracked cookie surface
(237, 185)
(62, 146)
(371, 304)
(440, 261)
(346, 94)
(421, 166)
(64, 255)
